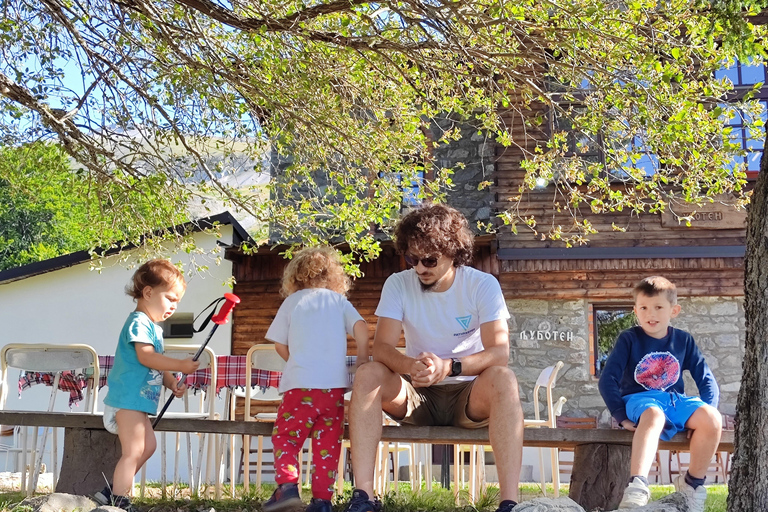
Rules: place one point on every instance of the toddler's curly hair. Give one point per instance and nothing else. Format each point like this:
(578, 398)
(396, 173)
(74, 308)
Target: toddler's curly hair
(315, 267)
(153, 273)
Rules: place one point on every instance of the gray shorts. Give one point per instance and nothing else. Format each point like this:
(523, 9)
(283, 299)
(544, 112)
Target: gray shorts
(442, 405)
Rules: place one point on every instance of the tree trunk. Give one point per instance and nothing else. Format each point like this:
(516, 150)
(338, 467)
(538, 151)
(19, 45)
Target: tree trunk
(600, 474)
(748, 488)
(81, 471)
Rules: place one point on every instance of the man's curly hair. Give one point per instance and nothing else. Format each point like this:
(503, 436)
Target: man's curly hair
(436, 229)
(315, 267)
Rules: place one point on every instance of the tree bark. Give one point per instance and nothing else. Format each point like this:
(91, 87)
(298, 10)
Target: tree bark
(81, 471)
(748, 487)
(600, 474)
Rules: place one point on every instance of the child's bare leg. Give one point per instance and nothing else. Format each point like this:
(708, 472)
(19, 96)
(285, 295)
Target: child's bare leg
(706, 424)
(646, 441)
(137, 441)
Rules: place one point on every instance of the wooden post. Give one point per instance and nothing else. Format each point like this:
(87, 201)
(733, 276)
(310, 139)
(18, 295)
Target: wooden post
(90, 455)
(600, 474)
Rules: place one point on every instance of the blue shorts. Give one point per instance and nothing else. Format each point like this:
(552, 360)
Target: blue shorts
(676, 407)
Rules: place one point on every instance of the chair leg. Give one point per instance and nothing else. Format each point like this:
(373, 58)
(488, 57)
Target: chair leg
(541, 472)
(457, 463)
(555, 471)
(259, 459)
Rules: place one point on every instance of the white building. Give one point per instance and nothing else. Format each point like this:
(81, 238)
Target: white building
(64, 300)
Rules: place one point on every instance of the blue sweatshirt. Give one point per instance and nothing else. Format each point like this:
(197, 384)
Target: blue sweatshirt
(640, 363)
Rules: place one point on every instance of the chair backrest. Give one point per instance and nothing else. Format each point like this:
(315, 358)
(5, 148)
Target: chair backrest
(50, 358)
(547, 379)
(574, 422)
(207, 359)
(261, 357)
(729, 422)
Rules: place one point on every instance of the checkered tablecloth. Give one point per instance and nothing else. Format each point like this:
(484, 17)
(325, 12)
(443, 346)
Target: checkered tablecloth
(72, 382)
(230, 373)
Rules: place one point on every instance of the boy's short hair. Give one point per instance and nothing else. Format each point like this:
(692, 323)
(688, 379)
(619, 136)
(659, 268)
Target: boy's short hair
(656, 285)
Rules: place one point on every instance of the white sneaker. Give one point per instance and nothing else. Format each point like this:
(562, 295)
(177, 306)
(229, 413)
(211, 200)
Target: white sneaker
(696, 497)
(636, 494)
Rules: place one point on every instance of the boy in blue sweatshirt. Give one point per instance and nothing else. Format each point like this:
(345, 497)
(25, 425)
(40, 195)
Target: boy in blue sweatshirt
(642, 385)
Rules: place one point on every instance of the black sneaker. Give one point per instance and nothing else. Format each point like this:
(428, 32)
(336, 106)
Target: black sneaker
(285, 498)
(360, 502)
(318, 505)
(506, 506)
(123, 502)
(103, 497)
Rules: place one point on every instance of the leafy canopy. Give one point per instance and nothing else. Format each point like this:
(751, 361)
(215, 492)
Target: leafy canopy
(155, 99)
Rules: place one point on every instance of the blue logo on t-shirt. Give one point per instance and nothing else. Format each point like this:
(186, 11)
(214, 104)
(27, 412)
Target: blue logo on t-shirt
(464, 321)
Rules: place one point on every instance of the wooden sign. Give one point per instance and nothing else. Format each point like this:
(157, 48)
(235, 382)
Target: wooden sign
(707, 216)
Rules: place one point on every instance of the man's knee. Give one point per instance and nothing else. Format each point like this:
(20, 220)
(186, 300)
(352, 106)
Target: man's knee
(370, 376)
(501, 382)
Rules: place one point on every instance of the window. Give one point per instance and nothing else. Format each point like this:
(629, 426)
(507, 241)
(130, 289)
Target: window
(590, 148)
(744, 76)
(607, 323)
(410, 188)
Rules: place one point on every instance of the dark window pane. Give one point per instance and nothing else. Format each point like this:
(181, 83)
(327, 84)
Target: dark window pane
(609, 322)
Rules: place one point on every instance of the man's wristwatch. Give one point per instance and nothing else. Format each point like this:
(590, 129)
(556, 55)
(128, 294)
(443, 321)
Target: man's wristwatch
(455, 367)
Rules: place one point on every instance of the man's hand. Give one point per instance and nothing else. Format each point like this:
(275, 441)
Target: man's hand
(430, 370)
(628, 425)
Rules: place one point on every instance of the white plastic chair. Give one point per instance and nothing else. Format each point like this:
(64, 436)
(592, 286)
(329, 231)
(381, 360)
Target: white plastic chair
(205, 409)
(546, 381)
(47, 358)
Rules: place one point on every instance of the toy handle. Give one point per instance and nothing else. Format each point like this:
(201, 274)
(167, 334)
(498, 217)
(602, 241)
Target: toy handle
(222, 317)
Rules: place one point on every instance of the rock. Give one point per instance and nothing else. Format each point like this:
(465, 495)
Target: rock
(675, 502)
(549, 505)
(60, 502)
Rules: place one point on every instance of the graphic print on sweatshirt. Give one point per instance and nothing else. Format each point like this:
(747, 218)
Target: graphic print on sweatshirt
(657, 371)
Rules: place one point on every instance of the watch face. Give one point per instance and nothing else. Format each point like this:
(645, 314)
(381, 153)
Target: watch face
(455, 367)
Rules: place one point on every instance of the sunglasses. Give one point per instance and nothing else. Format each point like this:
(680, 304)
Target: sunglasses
(413, 261)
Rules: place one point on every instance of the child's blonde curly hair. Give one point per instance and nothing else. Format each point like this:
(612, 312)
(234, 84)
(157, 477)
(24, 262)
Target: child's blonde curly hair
(315, 267)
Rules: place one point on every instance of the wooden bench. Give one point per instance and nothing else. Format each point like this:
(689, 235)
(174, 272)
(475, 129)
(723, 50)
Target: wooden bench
(600, 468)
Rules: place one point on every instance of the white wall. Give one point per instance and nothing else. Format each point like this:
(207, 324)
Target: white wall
(79, 305)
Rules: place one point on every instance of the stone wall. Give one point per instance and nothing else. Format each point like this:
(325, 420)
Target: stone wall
(545, 331)
(472, 158)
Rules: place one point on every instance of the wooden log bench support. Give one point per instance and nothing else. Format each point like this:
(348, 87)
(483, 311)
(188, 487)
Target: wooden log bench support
(600, 468)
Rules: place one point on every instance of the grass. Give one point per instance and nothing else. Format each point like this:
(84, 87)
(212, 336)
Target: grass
(402, 500)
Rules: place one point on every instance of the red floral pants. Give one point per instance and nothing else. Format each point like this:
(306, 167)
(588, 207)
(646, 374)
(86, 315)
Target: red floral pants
(305, 412)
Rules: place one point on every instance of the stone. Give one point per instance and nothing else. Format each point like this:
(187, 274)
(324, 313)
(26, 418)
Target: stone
(563, 504)
(675, 502)
(724, 308)
(60, 502)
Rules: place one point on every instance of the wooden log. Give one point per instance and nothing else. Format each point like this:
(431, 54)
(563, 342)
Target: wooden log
(90, 457)
(600, 474)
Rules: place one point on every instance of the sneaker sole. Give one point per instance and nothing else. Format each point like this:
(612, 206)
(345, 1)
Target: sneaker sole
(288, 505)
(100, 499)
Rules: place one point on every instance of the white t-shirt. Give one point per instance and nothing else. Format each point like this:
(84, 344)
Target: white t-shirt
(314, 323)
(444, 323)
